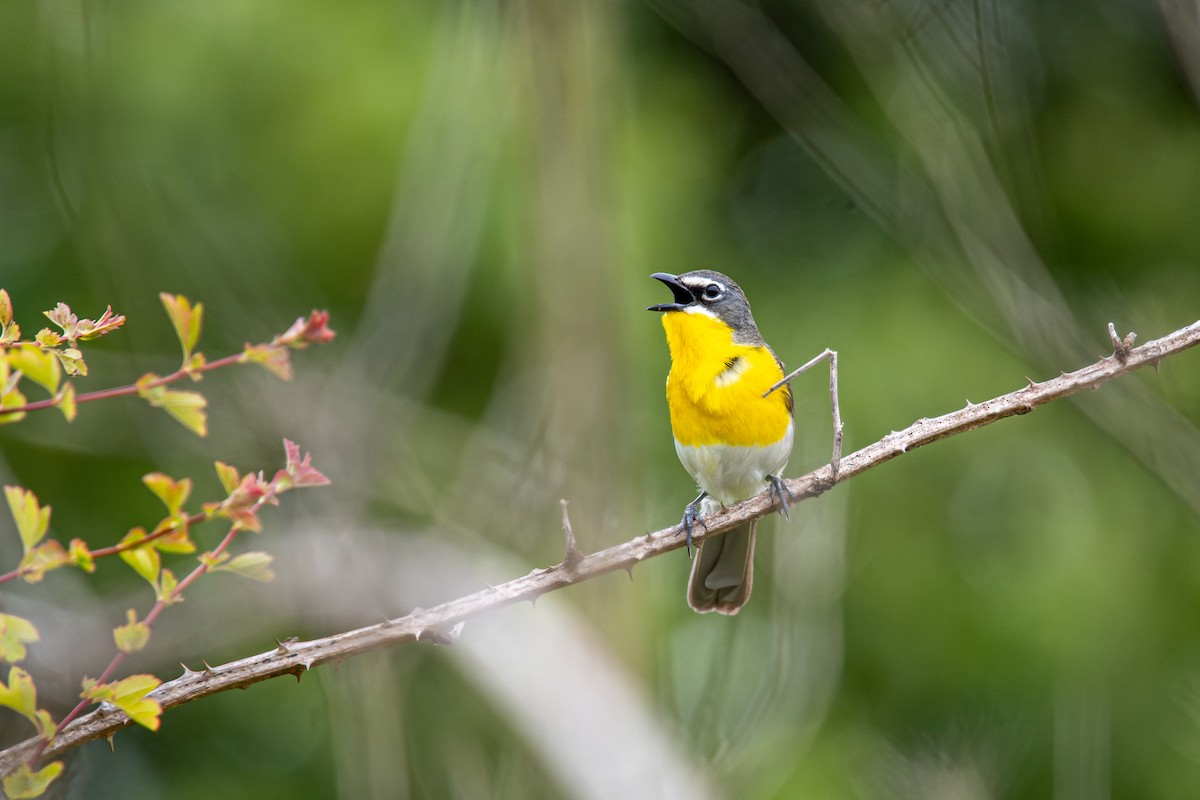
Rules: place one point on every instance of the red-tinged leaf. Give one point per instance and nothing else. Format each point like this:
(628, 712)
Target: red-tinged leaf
(20, 694)
(24, 782)
(94, 329)
(173, 493)
(133, 635)
(144, 559)
(300, 470)
(229, 476)
(32, 519)
(38, 365)
(305, 331)
(254, 565)
(41, 559)
(6, 311)
(61, 316)
(186, 319)
(66, 401)
(81, 555)
(243, 503)
(15, 633)
(273, 357)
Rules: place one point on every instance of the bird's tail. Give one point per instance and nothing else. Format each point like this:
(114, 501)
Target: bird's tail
(723, 572)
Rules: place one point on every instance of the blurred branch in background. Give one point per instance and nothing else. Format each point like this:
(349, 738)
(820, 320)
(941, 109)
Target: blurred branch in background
(442, 624)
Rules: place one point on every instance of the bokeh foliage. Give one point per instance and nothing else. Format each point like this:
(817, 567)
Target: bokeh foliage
(955, 195)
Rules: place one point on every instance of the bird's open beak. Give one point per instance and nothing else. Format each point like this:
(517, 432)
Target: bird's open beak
(683, 296)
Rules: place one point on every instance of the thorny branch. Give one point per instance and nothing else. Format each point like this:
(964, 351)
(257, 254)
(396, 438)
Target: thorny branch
(442, 623)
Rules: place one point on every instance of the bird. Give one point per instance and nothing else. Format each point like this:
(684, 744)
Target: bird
(733, 434)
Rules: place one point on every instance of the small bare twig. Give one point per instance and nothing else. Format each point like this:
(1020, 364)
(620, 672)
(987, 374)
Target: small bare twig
(1121, 347)
(835, 461)
(425, 624)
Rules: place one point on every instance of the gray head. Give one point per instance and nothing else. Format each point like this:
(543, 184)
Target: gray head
(706, 292)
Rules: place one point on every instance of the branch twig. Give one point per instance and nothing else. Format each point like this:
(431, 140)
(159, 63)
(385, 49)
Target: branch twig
(441, 623)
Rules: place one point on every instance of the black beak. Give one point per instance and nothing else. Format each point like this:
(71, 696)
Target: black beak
(683, 295)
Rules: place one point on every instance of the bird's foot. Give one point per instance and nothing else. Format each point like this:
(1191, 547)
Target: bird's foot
(691, 515)
(780, 492)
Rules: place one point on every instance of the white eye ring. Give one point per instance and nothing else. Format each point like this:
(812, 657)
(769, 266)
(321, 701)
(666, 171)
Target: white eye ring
(712, 291)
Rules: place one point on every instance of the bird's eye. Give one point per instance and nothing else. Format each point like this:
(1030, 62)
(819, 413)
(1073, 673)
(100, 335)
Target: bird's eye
(712, 291)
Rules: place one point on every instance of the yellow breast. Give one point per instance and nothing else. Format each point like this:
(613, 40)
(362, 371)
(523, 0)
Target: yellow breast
(715, 388)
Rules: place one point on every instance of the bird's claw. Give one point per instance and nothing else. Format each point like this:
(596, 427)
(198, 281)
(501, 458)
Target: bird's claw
(780, 492)
(691, 516)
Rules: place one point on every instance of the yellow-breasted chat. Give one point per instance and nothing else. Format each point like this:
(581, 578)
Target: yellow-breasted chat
(732, 434)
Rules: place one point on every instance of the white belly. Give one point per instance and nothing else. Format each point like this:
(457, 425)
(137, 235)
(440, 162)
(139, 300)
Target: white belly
(730, 473)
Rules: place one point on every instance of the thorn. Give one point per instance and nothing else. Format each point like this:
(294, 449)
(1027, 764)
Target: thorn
(285, 646)
(187, 671)
(573, 556)
(629, 571)
(1032, 382)
(208, 670)
(112, 742)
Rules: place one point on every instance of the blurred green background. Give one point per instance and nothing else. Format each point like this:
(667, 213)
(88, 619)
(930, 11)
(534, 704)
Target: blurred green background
(953, 194)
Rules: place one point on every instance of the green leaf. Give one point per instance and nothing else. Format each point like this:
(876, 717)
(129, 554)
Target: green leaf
(72, 361)
(36, 364)
(165, 591)
(173, 493)
(186, 318)
(129, 694)
(186, 407)
(255, 565)
(20, 694)
(213, 561)
(276, 359)
(229, 476)
(41, 559)
(178, 540)
(15, 633)
(23, 782)
(32, 519)
(66, 401)
(133, 635)
(144, 559)
(11, 399)
(81, 555)
(48, 338)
